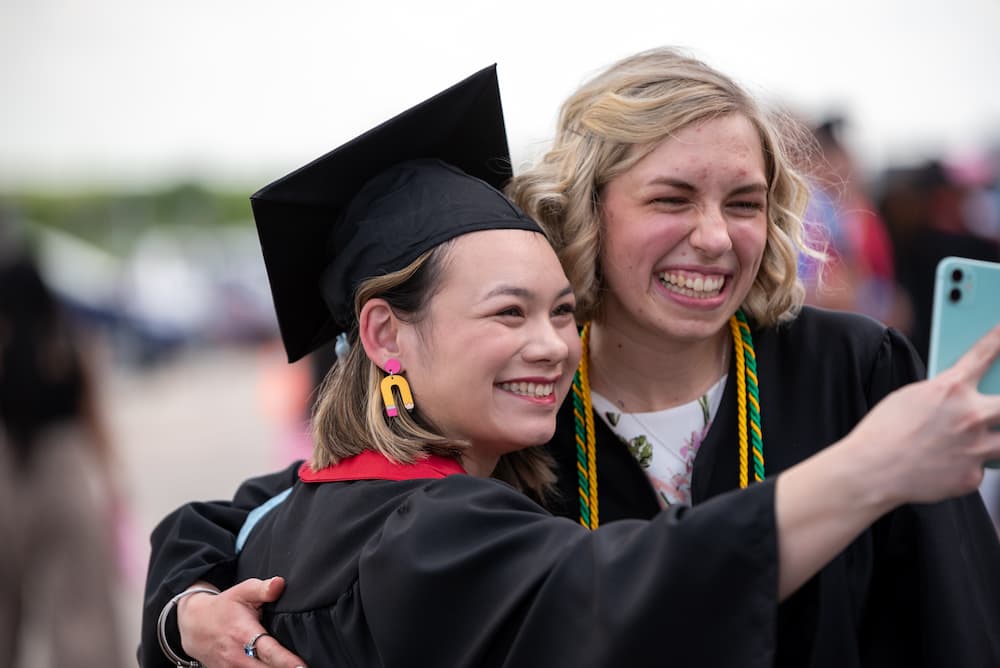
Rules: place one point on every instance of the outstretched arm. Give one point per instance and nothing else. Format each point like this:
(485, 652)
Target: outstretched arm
(925, 442)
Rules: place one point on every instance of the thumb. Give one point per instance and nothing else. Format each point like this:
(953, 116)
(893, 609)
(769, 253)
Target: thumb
(254, 592)
(272, 588)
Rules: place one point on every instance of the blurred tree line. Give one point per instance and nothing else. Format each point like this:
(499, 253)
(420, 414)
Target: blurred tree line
(114, 221)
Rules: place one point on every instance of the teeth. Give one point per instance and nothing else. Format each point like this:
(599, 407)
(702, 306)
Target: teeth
(693, 286)
(529, 389)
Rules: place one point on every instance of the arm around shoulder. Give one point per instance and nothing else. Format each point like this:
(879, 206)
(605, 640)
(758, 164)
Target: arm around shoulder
(196, 542)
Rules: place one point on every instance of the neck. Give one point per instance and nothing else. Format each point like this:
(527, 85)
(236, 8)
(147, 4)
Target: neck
(644, 374)
(479, 465)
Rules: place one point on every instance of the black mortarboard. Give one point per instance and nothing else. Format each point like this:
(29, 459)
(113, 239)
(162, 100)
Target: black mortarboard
(378, 202)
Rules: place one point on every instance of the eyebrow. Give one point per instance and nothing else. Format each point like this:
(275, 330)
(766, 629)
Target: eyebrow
(750, 188)
(513, 291)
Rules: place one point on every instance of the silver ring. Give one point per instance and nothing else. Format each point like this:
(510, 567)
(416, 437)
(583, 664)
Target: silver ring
(250, 649)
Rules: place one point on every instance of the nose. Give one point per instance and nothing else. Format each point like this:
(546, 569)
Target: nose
(710, 235)
(548, 343)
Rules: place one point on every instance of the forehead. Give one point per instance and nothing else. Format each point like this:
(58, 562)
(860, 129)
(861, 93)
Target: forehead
(479, 261)
(727, 145)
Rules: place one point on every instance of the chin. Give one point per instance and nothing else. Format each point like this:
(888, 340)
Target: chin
(529, 439)
(696, 330)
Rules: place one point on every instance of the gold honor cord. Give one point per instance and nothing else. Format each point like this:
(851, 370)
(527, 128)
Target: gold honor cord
(747, 400)
(586, 444)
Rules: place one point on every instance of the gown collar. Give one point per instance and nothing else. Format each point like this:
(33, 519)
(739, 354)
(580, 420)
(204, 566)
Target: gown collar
(371, 465)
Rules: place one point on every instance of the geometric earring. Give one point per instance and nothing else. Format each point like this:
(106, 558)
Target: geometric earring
(392, 380)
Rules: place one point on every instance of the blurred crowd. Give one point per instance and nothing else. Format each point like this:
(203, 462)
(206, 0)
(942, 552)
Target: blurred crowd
(884, 234)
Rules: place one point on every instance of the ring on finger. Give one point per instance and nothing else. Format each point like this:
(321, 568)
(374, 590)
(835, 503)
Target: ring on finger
(250, 649)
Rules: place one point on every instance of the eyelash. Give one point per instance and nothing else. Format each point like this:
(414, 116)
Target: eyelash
(672, 201)
(565, 309)
(680, 201)
(515, 311)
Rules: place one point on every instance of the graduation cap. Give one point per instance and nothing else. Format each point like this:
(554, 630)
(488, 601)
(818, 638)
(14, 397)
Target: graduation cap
(375, 204)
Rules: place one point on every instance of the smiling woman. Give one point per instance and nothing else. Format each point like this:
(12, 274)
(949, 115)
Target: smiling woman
(503, 311)
(691, 212)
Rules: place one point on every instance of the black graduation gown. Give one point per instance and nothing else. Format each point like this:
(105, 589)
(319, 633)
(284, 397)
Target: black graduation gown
(465, 571)
(921, 588)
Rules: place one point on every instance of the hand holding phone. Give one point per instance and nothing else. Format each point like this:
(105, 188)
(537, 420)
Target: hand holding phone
(966, 306)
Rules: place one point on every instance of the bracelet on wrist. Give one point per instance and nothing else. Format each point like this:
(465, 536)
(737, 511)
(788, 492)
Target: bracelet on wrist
(161, 627)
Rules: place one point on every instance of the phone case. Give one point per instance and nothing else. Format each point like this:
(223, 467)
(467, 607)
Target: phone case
(966, 306)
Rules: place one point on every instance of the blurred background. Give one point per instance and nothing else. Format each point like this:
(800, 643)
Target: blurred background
(132, 134)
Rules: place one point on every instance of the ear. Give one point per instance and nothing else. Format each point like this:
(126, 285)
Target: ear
(378, 329)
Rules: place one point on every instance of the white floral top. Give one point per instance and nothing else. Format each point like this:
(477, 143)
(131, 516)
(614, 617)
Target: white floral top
(665, 442)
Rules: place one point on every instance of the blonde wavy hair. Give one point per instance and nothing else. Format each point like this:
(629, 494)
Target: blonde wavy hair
(348, 415)
(617, 118)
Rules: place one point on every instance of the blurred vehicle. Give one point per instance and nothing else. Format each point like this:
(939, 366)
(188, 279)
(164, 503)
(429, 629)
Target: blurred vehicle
(178, 287)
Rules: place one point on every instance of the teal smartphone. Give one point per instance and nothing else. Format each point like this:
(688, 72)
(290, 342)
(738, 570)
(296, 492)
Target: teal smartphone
(966, 306)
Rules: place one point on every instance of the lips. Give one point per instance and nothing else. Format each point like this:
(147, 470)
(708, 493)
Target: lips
(693, 284)
(529, 389)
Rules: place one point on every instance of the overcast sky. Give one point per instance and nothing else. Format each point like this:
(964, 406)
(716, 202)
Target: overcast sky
(131, 92)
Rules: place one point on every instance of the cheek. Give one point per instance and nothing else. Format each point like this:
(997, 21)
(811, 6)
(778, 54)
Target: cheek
(750, 242)
(574, 351)
(620, 253)
(617, 239)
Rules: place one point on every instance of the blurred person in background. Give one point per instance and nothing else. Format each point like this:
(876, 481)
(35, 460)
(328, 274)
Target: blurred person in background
(979, 172)
(57, 569)
(858, 274)
(926, 213)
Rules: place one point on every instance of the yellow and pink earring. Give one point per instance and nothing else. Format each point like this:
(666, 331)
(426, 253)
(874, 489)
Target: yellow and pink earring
(392, 367)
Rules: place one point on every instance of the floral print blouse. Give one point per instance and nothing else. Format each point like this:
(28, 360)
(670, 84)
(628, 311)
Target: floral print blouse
(665, 442)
